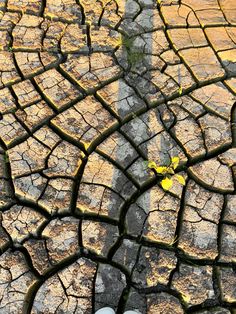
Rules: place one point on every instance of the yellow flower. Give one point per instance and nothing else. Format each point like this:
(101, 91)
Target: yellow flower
(166, 183)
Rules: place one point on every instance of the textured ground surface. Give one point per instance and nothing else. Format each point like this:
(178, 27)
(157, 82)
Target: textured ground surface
(89, 90)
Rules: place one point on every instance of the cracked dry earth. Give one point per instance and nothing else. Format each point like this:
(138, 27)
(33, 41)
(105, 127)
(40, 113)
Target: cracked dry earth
(89, 90)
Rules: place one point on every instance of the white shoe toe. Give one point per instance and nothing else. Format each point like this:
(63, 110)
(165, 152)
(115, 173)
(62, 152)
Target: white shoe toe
(106, 310)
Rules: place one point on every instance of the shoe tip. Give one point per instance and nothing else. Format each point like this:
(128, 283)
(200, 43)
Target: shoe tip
(105, 310)
(108, 310)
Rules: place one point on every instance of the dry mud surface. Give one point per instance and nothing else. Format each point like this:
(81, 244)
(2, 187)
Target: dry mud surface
(89, 90)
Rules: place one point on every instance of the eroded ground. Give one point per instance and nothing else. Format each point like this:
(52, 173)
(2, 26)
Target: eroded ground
(89, 90)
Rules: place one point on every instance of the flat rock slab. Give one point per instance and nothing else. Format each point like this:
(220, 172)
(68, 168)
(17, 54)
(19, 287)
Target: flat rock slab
(90, 92)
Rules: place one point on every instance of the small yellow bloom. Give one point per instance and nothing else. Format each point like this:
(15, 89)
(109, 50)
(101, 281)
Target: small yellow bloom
(175, 162)
(162, 169)
(166, 184)
(180, 179)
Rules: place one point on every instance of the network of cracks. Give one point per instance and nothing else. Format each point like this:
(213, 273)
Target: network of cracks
(89, 91)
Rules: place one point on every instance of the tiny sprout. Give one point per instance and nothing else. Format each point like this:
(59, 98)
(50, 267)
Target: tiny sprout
(180, 91)
(168, 172)
(134, 115)
(176, 239)
(6, 158)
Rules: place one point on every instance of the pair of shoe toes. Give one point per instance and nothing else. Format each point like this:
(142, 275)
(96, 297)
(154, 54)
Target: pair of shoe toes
(108, 310)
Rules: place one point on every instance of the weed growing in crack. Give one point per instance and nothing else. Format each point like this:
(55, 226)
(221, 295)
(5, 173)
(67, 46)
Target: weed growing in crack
(176, 239)
(6, 158)
(167, 172)
(133, 57)
(180, 91)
